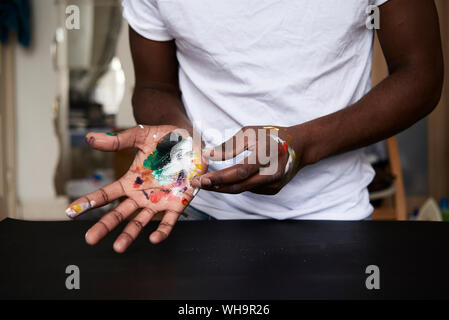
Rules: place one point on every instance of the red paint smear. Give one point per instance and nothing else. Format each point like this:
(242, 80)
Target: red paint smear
(157, 196)
(285, 146)
(185, 201)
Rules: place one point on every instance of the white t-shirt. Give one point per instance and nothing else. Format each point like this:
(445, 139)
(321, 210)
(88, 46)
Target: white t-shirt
(270, 62)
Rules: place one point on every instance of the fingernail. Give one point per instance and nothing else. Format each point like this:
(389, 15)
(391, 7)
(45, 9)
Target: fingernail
(205, 182)
(120, 244)
(78, 208)
(90, 139)
(195, 183)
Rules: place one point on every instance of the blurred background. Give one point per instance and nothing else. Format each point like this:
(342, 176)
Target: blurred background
(66, 70)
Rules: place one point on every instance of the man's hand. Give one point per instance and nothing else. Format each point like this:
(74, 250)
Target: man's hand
(157, 181)
(270, 165)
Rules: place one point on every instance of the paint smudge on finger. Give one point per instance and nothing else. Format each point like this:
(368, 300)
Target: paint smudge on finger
(111, 134)
(76, 209)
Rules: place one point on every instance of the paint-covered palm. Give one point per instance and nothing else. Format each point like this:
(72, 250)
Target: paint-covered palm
(157, 181)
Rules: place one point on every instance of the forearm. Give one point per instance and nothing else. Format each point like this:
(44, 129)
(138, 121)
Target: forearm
(157, 106)
(399, 101)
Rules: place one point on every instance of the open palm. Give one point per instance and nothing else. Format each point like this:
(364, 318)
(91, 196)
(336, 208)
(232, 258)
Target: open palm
(157, 181)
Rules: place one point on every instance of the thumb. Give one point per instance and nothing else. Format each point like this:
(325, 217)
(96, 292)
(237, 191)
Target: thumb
(228, 149)
(116, 141)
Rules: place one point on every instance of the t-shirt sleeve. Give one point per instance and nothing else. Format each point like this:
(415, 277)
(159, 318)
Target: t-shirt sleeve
(144, 17)
(379, 2)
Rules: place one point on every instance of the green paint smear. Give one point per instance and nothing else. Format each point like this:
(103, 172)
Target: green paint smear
(157, 174)
(160, 157)
(111, 134)
(155, 161)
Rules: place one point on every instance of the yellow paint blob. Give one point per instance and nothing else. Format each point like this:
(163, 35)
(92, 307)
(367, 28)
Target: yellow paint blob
(77, 208)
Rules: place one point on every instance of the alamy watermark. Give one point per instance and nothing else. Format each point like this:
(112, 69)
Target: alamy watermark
(72, 282)
(373, 19)
(372, 282)
(72, 20)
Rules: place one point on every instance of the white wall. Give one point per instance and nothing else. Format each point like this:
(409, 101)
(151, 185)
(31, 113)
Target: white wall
(125, 116)
(36, 142)
(36, 89)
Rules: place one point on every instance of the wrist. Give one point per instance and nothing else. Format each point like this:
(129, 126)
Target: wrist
(302, 140)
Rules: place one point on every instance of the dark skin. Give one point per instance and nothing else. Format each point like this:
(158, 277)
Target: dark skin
(410, 39)
(156, 83)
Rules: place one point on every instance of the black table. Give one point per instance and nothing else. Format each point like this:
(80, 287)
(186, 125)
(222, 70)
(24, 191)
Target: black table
(229, 260)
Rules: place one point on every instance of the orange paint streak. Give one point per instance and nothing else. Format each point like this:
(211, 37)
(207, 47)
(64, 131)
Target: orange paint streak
(185, 201)
(157, 196)
(285, 146)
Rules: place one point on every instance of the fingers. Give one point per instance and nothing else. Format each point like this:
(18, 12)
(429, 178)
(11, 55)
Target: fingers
(111, 220)
(231, 175)
(232, 147)
(95, 199)
(132, 230)
(132, 138)
(165, 227)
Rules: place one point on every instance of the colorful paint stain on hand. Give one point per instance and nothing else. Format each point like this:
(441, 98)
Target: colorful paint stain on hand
(172, 156)
(112, 134)
(138, 182)
(77, 209)
(156, 196)
(171, 165)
